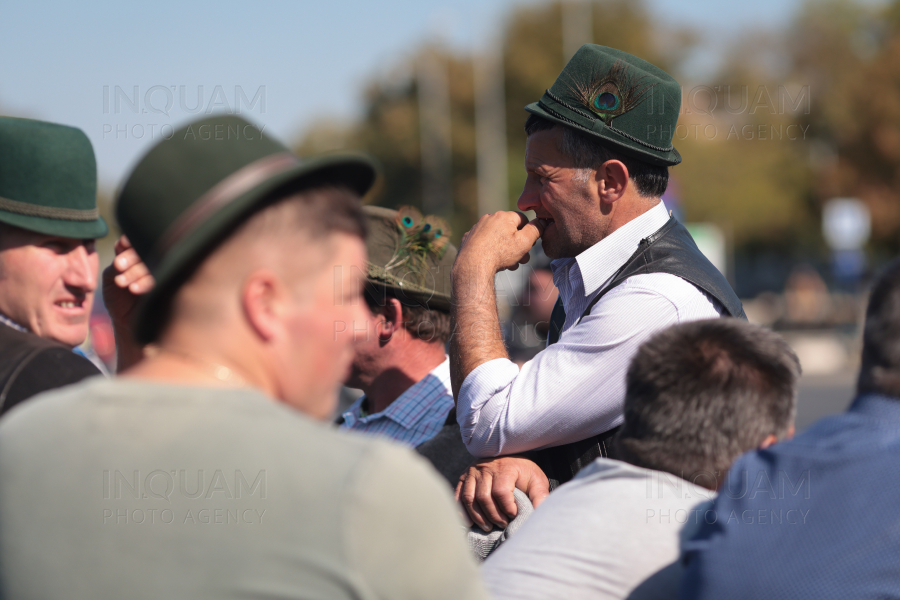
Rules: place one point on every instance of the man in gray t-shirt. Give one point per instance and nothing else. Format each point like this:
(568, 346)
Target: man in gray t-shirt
(697, 396)
(201, 472)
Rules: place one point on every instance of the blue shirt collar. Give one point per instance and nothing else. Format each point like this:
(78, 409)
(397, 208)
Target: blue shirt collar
(397, 411)
(878, 406)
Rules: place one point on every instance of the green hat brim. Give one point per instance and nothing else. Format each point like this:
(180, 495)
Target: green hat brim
(407, 292)
(610, 136)
(79, 230)
(355, 171)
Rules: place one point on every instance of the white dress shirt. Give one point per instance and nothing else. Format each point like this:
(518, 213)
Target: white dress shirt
(575, 389)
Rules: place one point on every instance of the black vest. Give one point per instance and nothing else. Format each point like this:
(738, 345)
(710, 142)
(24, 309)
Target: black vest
(670, 250)
(30, 364)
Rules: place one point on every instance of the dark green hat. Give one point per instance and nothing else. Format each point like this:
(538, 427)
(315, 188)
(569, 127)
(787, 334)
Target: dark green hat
(625, 101)
(48, 179)
(410, 256)
(191, 190)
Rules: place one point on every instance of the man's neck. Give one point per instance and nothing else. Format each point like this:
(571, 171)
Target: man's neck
(627, 212)
(410, 367)
(197, 357)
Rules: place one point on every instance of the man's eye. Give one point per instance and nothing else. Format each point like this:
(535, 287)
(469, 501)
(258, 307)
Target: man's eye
(57, 247)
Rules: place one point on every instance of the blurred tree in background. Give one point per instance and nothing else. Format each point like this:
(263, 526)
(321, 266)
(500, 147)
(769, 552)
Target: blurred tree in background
(389, 131)
(850, 55)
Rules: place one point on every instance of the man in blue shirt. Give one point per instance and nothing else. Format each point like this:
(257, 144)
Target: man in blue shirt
(401, 364)
(816, 517)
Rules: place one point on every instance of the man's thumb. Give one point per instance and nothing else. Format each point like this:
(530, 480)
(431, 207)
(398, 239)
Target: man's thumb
(533, 230)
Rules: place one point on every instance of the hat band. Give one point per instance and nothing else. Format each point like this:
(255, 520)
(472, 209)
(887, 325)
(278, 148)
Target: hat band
(563, 104)
(378, 272)
(223, 193)
(49, 212)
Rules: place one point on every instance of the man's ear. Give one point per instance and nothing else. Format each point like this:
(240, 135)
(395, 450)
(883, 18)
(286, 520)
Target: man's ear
(768, 441)
(390, 320)
(771, 439)
(262, 301)
(612, 181)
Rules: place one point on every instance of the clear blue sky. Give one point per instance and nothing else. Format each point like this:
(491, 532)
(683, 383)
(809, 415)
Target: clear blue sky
(67, 61)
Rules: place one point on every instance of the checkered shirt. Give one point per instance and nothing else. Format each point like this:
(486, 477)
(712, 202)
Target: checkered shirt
(415, 416)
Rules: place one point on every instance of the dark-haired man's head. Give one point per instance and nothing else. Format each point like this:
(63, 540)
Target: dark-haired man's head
(700, 394)
(582, 188)
(424, 324)
(588, 153)
(880, 370)
(408, 294)
(396, 333)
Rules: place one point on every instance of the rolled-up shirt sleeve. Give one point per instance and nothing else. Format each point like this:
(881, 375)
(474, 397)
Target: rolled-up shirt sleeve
(573, 389)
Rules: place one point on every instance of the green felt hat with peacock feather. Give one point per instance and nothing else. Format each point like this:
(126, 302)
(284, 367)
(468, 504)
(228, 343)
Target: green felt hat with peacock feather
(410, 256)
(627, 102)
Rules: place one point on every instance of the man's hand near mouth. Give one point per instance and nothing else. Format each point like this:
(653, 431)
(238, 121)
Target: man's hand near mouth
(496, 242)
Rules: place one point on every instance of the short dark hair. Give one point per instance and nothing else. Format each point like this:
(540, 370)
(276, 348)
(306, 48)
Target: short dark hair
(428, 325)
(880, 370)
(700, 394)
(589, 153)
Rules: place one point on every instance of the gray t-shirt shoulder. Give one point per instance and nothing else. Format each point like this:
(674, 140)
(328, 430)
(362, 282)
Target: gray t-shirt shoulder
(116, 488)
(599, 536)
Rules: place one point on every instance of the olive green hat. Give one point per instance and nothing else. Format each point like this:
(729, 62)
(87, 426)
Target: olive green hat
(410, 256)
(192, 189)
(48, 179)
(625, 101)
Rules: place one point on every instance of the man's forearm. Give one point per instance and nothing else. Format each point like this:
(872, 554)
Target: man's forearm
(475, 324)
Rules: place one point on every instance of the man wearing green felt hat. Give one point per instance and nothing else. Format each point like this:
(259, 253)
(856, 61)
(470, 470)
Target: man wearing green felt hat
(401, 364)
(208, 461)
(48, 263)
(597, 156)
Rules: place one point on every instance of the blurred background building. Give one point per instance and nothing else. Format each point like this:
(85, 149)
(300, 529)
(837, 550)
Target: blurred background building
(789, 129)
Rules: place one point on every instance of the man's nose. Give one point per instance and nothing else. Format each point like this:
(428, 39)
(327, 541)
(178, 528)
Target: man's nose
(528, 200)
(82, 269)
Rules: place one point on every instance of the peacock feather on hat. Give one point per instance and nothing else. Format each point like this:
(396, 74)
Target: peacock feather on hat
(611, 94)
(420, 237)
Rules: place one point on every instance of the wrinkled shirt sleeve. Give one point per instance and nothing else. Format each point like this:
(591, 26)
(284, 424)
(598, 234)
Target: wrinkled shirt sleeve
(573, 389)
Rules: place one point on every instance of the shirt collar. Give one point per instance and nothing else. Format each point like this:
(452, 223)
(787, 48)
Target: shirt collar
(600, 262)
(10, 323)
(881, 407)
(399, 414)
